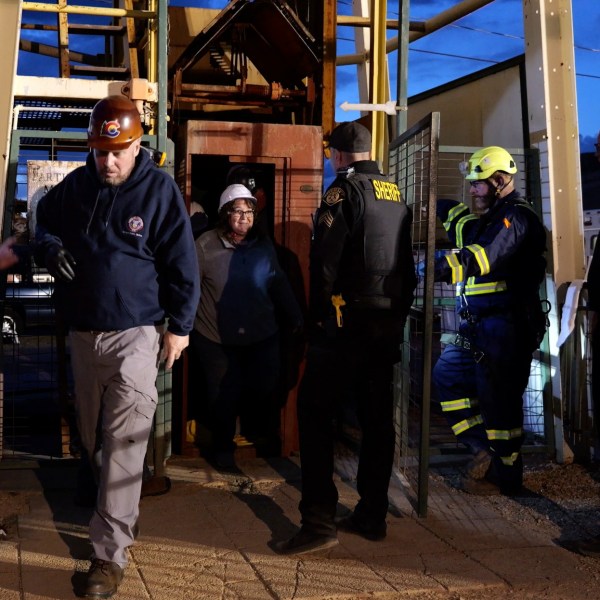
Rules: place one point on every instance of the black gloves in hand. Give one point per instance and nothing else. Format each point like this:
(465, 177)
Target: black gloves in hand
(60, 263)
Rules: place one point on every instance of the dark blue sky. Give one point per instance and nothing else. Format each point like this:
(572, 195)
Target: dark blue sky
(488, 36)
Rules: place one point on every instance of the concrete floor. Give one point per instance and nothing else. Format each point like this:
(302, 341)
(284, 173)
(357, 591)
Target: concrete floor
(210, 538)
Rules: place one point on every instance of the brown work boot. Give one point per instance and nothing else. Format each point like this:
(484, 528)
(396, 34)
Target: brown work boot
(478, 487)
(479, 465)
(155, 486)
(103, 579)
(589, 547)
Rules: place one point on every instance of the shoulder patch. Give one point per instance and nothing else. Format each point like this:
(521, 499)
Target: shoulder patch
(326, 219)
(333, 196)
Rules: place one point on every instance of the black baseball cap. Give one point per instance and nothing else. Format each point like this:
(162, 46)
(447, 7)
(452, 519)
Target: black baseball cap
(350, 136)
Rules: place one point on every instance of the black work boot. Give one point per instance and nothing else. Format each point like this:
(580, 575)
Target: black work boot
(155, 486)
(103, 579)
(370, 530)
(305, 542)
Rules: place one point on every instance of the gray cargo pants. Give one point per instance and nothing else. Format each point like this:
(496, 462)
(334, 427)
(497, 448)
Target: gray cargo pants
(115, 400)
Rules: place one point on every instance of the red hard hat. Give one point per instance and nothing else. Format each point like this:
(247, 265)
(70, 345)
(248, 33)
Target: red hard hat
(114, 124)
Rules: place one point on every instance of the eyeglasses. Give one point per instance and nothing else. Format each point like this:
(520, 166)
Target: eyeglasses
(238, 213)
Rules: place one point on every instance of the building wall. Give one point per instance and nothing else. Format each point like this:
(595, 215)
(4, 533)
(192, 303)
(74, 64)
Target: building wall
(482, 112)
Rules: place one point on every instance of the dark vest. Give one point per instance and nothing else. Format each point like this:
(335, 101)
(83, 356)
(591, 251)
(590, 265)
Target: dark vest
(372, 273)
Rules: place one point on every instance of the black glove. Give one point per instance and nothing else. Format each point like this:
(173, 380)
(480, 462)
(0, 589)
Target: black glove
(60, 262)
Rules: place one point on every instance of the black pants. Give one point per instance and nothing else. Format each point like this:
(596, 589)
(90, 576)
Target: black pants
(596, 384)
(356, 362)
(239, 380)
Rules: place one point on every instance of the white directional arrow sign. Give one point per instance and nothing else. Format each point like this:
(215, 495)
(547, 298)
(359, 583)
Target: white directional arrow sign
(389, 107)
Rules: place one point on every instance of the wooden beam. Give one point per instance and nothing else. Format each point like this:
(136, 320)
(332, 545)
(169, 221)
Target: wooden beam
(329, 57)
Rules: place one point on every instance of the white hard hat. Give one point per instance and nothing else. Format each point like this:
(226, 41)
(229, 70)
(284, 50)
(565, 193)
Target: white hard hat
(236, 191)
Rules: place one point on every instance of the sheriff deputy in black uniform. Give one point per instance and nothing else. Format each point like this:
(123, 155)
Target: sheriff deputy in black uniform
(362, 284)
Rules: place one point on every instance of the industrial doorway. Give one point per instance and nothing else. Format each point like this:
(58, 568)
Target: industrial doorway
(212, 173)
(286, 161)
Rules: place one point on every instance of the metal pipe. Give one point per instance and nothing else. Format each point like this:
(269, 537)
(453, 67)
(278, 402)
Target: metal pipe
(88, 10)
(273, 91)
(162, 43)
(53, 51)
(401, 118)
(356, 21)
(446, 17)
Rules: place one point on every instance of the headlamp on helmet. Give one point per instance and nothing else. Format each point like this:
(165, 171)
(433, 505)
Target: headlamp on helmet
(241, 174)
(485, 162)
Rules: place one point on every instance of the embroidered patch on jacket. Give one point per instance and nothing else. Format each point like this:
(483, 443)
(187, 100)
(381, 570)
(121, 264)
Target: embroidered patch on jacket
(326, 219)
(333, 196)
(135, 224)
(110, 129)
(506, 223)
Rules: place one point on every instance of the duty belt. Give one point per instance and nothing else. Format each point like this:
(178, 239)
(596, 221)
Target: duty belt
(462, 342)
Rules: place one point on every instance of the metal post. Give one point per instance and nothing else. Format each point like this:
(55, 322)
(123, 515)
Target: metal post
(402, 73)
(162, 74)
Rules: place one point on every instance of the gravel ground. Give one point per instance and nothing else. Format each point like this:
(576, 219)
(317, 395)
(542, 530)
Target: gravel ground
(561, 501)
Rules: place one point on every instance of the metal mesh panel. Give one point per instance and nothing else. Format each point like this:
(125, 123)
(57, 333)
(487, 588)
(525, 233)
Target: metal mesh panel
(413, 164)
(37, 407)
(36, 404)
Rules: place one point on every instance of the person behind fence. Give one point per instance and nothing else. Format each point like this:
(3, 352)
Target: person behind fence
(361, 289)
(498, 268)
(593, 290)
(591, 546)
(116, 237)
(236, 330)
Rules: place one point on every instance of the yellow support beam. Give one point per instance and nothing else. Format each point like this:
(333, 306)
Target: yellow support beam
(357, 21)
(88, 10)
(63, 41)
(379, 81)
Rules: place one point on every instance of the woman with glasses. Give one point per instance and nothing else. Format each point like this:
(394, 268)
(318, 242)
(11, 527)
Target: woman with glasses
(244, 293)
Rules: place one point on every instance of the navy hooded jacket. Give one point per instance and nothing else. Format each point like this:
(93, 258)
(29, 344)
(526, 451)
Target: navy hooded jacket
(133, 246)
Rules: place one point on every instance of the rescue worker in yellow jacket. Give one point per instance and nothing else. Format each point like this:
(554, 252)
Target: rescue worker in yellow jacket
(498, 267)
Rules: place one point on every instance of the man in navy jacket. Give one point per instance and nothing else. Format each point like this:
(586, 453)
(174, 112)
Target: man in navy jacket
(117, 239)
